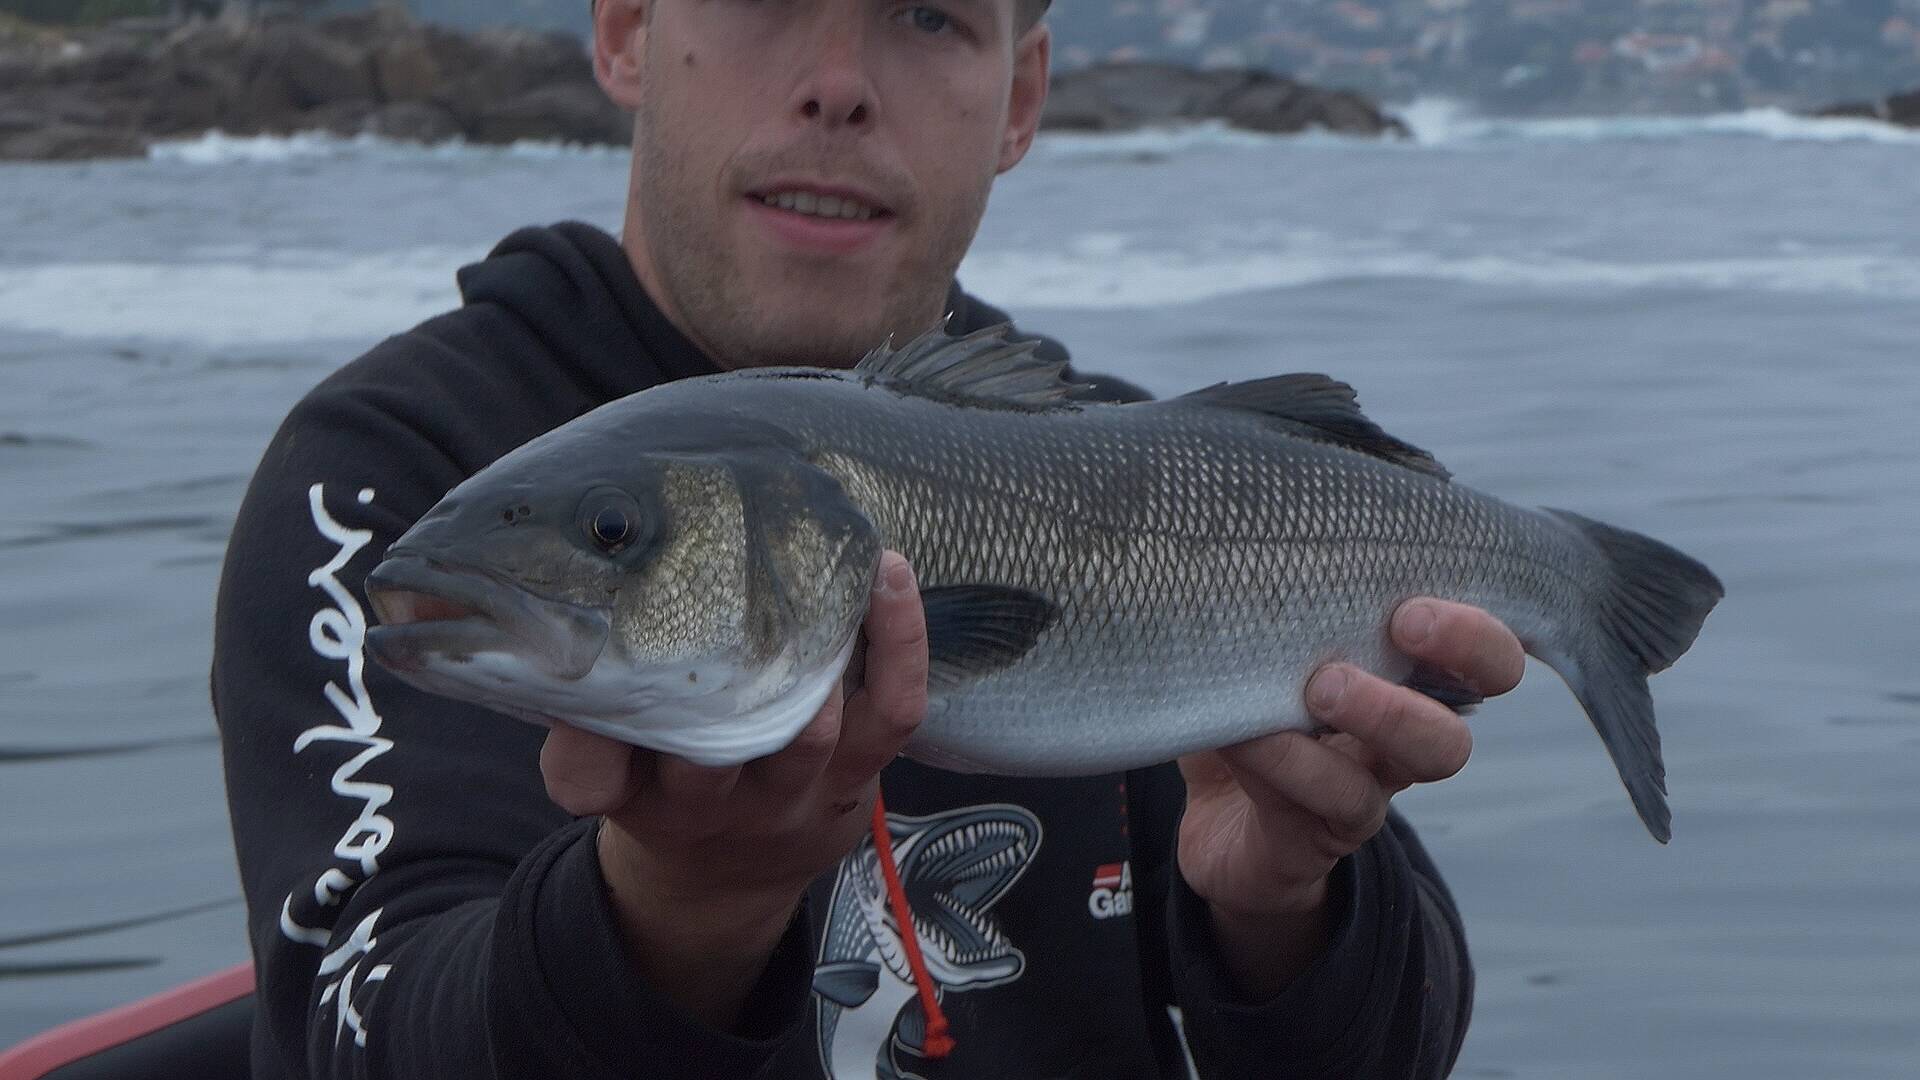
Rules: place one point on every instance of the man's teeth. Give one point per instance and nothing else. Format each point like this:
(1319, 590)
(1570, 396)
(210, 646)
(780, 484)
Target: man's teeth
(826, 206)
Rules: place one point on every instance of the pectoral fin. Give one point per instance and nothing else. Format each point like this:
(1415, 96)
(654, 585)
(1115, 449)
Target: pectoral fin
(974, 630)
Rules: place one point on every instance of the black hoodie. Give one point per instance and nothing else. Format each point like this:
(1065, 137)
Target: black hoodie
(419, 909)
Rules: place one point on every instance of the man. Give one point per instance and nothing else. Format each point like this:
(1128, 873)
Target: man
(435, 891)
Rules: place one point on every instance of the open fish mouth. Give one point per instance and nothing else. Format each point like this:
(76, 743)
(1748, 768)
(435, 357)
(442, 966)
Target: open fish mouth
(957, 872)
(433, 615)
(954, 868)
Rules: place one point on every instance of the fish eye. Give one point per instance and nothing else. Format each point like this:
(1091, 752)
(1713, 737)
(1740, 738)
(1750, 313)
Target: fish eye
(611, 526)
(611, 520)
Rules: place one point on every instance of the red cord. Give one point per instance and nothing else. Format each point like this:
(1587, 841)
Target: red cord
(938, 1043)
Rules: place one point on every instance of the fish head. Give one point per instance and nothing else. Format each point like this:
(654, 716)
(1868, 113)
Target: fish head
(701, 601)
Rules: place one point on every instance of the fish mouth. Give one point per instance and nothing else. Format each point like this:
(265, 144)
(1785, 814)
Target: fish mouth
(953, 874)
(954, 868)
(434, 615)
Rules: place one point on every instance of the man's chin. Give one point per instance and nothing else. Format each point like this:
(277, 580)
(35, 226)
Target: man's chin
(826, 330)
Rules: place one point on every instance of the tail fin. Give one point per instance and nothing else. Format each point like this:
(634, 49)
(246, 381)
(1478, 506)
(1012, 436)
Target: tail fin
(1651, 610)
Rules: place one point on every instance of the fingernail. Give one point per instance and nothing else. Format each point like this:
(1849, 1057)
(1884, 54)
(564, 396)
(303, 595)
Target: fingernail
(1416, 624)
(1323, 693)
(898, 578)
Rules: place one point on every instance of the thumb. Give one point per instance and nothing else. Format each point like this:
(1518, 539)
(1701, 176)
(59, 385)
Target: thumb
(586, 774)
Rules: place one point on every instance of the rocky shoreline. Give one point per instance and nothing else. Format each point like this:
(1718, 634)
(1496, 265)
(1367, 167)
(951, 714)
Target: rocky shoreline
(113, 91)
(1902, 110)
(1126, 96)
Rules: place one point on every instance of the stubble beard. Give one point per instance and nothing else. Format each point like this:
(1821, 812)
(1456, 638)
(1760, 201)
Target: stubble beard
(687, 247)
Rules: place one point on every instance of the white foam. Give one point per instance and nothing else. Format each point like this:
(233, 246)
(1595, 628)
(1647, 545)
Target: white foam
(1138, 278)
(219, 148)
(1440, 121)
(310, 297)
(1154, 142)
(260, 300)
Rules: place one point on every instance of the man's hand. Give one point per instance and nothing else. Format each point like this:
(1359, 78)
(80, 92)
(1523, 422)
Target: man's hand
(1267, 820)
(705, 866)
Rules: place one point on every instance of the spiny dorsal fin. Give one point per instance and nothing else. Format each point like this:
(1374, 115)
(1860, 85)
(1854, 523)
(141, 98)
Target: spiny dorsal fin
(985, 367)
(1318, 408)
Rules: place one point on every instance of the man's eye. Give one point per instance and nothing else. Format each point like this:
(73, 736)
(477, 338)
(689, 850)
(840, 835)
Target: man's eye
(928, 20)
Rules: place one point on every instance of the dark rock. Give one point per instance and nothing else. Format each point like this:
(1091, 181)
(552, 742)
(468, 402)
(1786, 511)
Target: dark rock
(65, 142)
(1125, 96)
(305, 69)
(108, 90)
(404, 69)
(569, 112)
(1904, 109)
(1850, 110)
(484, 71)
(344, 118)
(17, 69)
(1120, 97)
(413, 121)
(103, 64)
(15, 120)
(65, 106)
(367, 30)
(1282, 106)
(184, 99)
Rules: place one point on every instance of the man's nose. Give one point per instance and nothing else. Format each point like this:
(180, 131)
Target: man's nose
(837, 89)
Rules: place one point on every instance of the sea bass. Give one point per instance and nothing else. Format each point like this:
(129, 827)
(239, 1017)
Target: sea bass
(1106, 586)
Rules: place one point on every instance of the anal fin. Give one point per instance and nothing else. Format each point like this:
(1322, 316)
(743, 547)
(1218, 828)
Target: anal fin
(1447, 689)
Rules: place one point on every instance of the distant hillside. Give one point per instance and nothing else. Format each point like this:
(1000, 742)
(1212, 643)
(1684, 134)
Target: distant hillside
(1525, 55)
(570, 15)
(1511, 55)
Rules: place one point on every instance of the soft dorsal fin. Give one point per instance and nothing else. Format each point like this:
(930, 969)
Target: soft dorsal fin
(1318, 408)
(985, 367)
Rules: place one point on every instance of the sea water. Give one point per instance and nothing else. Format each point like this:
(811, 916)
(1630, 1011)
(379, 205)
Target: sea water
(1706, 329)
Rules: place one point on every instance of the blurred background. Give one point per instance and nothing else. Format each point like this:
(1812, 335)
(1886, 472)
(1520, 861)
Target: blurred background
(1657, 262)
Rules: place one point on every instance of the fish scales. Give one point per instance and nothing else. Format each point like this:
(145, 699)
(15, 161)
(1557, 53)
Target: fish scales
(1203, 563)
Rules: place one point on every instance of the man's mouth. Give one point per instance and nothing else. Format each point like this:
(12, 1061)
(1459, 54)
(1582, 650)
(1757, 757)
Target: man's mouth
(831, 207)
(819, 220)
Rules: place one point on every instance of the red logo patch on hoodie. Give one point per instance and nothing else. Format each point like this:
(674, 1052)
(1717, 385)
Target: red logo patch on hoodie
(1112, 894)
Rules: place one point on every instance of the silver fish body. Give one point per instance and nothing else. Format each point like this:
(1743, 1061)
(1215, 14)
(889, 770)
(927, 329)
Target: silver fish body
(1112, 586)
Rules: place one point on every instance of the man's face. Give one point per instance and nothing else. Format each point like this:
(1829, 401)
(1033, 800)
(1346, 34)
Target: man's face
(809, 173)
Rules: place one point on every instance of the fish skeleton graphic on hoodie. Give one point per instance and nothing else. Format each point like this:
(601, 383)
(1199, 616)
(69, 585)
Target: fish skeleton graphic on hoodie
(954, 866)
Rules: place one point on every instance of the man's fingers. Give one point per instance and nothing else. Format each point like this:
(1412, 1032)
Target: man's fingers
(1424, 739)
(1461, 640)
(692, 788)
(1205, 770)
(1294, 767)
(888, 707)
(586, 774)
(794, 769)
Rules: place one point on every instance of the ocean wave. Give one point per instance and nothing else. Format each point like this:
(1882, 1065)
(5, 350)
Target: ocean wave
(1136, 278)
(1441, 122)
(1433, 121)
(1153, 143)
(285, 297)
(357, 300)
(219, 148)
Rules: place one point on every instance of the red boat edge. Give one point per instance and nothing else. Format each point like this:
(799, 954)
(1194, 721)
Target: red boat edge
(73, 1043)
